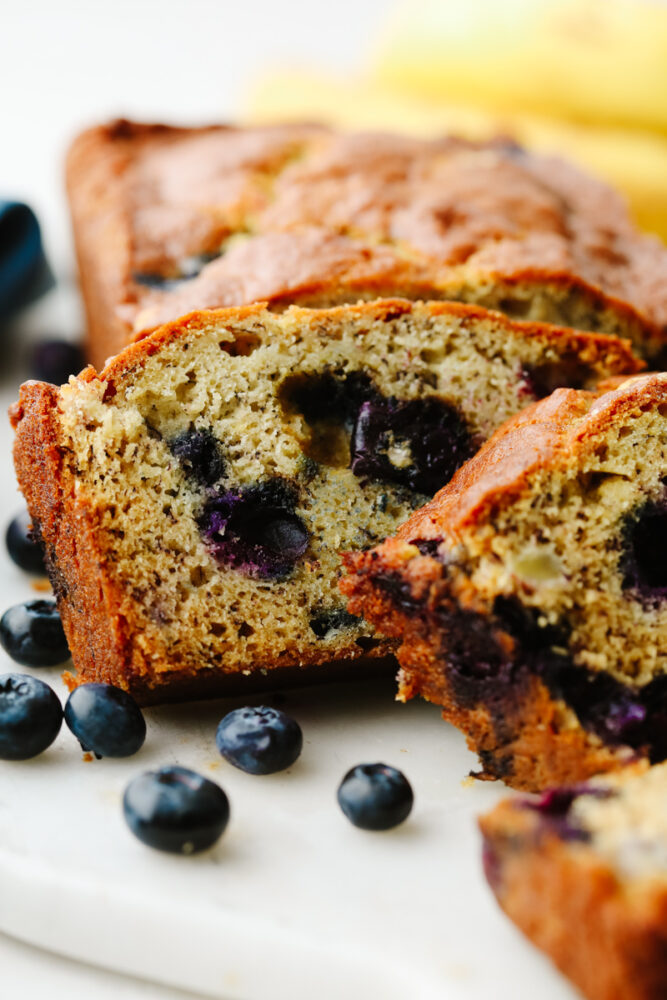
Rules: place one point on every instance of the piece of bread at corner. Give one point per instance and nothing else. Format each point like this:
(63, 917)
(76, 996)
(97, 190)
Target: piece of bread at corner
(583, 873)
(193, 497)
(530, 595)
(169, 220)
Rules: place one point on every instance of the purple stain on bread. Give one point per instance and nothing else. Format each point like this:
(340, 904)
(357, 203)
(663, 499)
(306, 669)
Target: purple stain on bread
(255, 530)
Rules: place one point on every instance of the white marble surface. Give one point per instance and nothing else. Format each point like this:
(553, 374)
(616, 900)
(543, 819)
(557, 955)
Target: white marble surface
(294, 902)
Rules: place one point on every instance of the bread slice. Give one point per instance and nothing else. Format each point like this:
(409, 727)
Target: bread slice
(168, 220)
(530, 595)
(193, 497)
(583, 872)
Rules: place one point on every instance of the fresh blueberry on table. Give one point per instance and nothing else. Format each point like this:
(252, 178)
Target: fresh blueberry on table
(259, 740)
(375, 796)
(105, 720)
(176, 810)
(32, 634)
(55, 360)
(23, 547)
(30, 716)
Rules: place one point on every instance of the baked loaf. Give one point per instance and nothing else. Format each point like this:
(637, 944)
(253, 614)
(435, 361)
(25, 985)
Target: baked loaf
(193, 496)
(583, 872)
(530, 595)
(168, 220)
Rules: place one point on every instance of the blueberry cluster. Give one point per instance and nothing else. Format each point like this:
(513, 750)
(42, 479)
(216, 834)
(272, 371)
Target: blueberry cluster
(416, 444)
(173, 808)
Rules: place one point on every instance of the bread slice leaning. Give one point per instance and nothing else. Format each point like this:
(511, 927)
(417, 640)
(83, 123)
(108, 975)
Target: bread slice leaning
(530, 596)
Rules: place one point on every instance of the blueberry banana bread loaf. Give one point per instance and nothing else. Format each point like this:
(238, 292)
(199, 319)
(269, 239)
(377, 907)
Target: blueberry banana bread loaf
(583, 872)
(531, 594)
(193, 496)
(168, 220)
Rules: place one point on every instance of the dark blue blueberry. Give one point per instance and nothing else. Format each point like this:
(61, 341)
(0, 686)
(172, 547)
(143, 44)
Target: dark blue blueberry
(375, 796)
(644, 559)
(416, 443)
(55, 360)
(332, 620)
(159, 282)
(259, 740)
(30, 716)
(105, 720)
(188, 268)
(198, 451)
(255, 530)
(176, 810)
(32, 634)
(22, 545)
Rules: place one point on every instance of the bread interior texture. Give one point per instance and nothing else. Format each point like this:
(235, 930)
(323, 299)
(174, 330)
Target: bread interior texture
(216, 462)
(585, 547)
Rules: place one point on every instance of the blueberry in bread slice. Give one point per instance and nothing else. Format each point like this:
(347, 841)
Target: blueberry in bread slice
(530, 595)
(583, 872)
(193, 497)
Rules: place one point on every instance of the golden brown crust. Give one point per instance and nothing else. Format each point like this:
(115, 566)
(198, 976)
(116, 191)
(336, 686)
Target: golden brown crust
(87, 600)
(608, 937)
(310, 216)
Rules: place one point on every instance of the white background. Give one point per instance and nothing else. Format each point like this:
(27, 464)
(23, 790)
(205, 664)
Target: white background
(65, 64)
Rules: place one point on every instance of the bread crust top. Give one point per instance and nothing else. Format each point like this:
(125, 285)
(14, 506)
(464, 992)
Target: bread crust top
(302, 213)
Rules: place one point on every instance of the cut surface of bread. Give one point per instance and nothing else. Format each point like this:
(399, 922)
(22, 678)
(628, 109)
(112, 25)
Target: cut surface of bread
(583, 872)
(530, 595)
(193, 497)
(168, 220)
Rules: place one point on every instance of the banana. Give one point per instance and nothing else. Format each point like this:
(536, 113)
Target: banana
(597, 61)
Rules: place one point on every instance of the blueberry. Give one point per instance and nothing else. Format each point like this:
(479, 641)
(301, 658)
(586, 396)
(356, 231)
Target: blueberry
(30, 716)
(375, 796)
(416, 443)
(176, 810)
(22, 545)
(255, 530)
(188, 268)
(159, 282)
(199, 454)
(32, 634)
(259, 740)
(332, 621)
(105, 720)
(55, 360)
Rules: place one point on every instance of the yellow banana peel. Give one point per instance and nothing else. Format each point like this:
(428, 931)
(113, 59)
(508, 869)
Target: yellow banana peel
(597, 61)
(634, 162)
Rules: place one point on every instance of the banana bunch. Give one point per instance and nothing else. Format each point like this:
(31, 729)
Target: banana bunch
(585, 79)
(603, 62)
